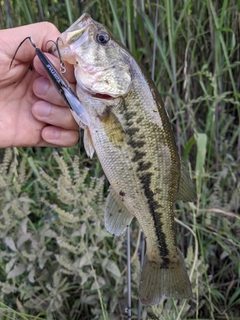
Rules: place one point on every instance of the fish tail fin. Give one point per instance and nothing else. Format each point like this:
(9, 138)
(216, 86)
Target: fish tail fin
(158, 282)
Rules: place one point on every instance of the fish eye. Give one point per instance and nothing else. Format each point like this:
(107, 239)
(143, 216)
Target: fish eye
(102, 38)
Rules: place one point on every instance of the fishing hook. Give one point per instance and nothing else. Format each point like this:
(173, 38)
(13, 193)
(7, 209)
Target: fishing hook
(62, 66)
(79, 113)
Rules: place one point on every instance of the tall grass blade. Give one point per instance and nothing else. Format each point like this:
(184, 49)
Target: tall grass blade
(116, 20)
(26, 11)
(150, 29)
(201, 156)
(40, 10)
(8, 16)
(155, 40)
(170, 27)
(69, 11)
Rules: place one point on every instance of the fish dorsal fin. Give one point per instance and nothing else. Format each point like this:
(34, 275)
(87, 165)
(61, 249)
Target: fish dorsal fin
(186, 190)
(116, 217)
(88, 144)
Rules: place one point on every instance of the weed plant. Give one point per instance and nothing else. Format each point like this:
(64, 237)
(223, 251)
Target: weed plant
(57, 261)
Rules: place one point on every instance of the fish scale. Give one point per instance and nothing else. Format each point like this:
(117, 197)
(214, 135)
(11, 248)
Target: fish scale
(130, 131)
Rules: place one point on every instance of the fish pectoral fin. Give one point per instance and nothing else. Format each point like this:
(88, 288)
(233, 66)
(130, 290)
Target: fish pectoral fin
(158, 282)
(116, 216)
(113, 128)
(88, 143)
(186, 190)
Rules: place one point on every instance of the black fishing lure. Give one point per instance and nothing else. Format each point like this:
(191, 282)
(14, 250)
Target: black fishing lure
(69, 96)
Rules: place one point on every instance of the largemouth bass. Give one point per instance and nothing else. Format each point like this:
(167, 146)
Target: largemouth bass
(130, 131)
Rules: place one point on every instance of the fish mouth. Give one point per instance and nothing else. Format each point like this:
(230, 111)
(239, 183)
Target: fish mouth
(75, 31)
(102, 96)
(71, 35)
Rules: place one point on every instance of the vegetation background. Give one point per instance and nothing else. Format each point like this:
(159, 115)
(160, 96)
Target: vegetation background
(56, 259)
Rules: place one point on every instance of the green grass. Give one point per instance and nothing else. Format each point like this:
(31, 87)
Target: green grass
(191, 49)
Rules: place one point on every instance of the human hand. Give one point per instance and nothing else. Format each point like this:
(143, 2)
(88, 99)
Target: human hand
(32, 113)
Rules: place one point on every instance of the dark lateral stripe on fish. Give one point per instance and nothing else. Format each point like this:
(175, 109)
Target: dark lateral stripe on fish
(137, 143)
(128, 115)
(134, 139)
(145, 179)
(132, 130)
(142, 166)
(139, 120)
(138, 154)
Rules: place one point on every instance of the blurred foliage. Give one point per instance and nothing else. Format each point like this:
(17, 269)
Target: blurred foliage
(55, 251)
(56, 259)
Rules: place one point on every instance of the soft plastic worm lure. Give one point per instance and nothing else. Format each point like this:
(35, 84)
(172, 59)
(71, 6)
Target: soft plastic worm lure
(69, 96)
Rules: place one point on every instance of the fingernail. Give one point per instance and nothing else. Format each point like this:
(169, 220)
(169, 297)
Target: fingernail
(41, 86)
(43, 109)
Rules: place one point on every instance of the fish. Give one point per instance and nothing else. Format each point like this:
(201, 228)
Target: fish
(130, 131)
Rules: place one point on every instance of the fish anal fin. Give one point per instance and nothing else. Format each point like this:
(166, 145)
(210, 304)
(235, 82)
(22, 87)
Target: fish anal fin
(116, 217)
(186, 190)
(158, 282)
(88, 143)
